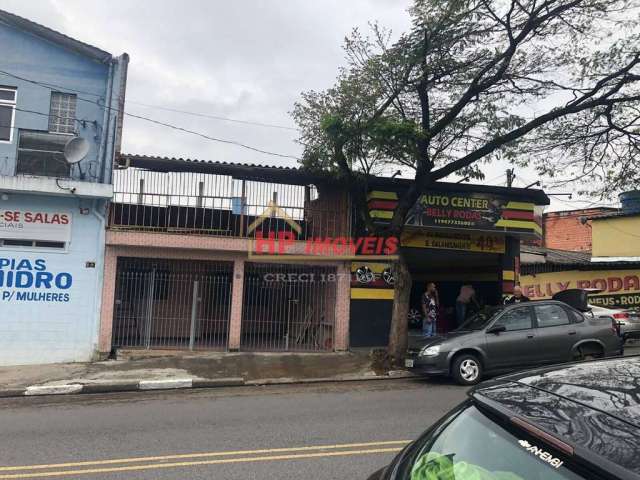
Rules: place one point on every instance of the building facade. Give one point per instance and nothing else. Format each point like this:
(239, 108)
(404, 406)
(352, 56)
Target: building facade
(60, 126)
(570, 230)
(215, 256)
(611, 266)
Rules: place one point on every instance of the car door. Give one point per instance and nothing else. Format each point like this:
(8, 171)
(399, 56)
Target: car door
(555, 334)
(515, 347)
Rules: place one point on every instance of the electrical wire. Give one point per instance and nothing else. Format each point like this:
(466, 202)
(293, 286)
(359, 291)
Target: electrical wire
(214, 117)
(148, 105)
(168, 125)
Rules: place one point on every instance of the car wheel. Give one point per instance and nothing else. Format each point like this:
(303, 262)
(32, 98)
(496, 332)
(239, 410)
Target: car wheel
(589, 353)
(467, 369)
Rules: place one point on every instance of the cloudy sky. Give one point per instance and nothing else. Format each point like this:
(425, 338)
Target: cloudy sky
(246, 60)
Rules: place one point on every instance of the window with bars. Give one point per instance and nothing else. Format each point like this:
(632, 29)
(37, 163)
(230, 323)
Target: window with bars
(7, 113)
(62, 114)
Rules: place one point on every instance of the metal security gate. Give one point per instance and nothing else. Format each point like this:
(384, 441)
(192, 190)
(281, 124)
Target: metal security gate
(288, 307)
(172, 304)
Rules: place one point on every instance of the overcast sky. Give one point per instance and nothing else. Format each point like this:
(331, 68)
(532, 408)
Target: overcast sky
(242, 59)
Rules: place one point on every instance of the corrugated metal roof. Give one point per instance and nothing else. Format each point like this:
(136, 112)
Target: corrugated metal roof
(562, 257)
(131, 156)
(301, 175)
(55, 36)
(562, 260)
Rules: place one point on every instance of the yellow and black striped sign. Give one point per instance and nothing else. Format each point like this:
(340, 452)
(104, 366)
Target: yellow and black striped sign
(472, 211)
(371, 281)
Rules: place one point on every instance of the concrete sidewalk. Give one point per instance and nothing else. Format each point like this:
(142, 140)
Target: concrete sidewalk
(154, 370)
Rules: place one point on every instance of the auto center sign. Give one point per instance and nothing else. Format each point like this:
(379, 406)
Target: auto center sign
(474, 211)
(44, 225)
(620, 288)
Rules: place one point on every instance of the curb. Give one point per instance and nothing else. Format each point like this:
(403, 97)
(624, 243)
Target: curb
(184, 383)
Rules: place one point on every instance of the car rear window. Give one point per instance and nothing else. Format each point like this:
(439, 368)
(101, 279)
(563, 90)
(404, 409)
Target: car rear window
(471, 446)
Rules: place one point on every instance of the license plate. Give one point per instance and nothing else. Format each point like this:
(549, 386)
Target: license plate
(408, 363)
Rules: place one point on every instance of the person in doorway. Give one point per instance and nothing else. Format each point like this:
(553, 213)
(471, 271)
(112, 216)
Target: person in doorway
(466, 298)
(430, 304)
(517, 296)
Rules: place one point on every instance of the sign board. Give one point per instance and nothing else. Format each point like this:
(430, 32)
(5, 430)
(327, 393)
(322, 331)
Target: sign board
(26, 280)
(471, 242)
(474, 211)
(620, 288)
(43, 225)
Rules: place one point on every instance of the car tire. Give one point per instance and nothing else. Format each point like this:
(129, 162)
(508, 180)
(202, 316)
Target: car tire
(587, 354)
(466, 369)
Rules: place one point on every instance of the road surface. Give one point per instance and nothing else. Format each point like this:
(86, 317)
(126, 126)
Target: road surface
(327, 431)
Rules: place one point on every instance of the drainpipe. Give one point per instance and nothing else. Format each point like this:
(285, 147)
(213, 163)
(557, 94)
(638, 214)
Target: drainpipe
(106, 121)
(99, 267)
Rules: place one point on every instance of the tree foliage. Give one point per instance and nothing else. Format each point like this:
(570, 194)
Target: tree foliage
(553, 84)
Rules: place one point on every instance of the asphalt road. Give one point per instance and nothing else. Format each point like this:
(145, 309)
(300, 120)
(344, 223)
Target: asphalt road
(328, 431)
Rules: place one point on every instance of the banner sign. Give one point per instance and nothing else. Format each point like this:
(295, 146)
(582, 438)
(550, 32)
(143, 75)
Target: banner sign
(26, 280)
(620, 288)
(49, 225)
(456, 210)
(471, 242)
(474, 211)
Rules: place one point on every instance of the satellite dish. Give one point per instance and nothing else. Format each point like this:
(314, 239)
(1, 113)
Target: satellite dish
(76, 149)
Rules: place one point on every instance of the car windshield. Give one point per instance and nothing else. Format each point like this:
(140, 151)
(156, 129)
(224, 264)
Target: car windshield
(480, 319)
(470, 446)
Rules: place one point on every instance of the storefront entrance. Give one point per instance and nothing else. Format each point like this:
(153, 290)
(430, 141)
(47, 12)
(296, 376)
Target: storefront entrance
(288, 307)
(172, 304)
(449, 270)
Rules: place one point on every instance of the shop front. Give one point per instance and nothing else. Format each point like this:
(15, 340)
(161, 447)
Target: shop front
(454, 236)
(51, 251)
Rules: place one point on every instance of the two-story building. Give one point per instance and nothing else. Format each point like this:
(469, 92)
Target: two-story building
(215, 256)
(61, 104)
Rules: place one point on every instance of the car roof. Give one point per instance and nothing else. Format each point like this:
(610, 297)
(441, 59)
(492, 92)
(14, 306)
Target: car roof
(593, 406)
(538, 302)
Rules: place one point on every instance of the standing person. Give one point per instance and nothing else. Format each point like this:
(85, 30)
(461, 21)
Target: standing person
(466, 297)
(430, 305)
(517, 296)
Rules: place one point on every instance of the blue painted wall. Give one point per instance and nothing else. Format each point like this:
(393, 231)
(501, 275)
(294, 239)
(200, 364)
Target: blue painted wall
(42, 323)
(62, 326)
(28, 56)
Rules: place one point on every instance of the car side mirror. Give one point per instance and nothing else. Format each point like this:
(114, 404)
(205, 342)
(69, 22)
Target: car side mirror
(496, 329)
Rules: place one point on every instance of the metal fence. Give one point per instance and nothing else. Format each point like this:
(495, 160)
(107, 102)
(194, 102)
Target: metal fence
(172, 304)
(207, 204)
(288, 307)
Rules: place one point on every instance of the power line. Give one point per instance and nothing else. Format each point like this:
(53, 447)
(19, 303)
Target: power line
(151, 120)
(214, 117)
(148, 105)
(203, 135)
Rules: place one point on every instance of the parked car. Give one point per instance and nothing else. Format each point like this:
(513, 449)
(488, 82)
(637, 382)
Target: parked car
(565, 422)
(512, 337)
(627, 320)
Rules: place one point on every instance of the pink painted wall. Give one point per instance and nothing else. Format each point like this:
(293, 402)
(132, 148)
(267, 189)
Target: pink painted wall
(193, 247)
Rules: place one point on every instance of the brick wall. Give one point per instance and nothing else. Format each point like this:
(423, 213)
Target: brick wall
(570, 230)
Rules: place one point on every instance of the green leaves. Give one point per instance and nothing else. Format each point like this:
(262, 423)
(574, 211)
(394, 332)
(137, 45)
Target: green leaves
(552, 84)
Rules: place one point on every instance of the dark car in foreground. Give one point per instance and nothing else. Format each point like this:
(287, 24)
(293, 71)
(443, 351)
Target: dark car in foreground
(512, 337)
(576, 421)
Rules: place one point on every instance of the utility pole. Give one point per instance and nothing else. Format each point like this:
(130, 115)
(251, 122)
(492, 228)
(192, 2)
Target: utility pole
(511, 176)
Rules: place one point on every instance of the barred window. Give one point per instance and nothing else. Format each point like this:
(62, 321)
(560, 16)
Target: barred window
(7, 113)
(62, 115)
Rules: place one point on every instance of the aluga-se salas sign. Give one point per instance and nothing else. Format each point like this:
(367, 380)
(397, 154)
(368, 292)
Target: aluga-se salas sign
(52, 226)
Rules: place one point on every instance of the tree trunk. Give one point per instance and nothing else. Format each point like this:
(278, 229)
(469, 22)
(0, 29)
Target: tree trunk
(398, 333)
